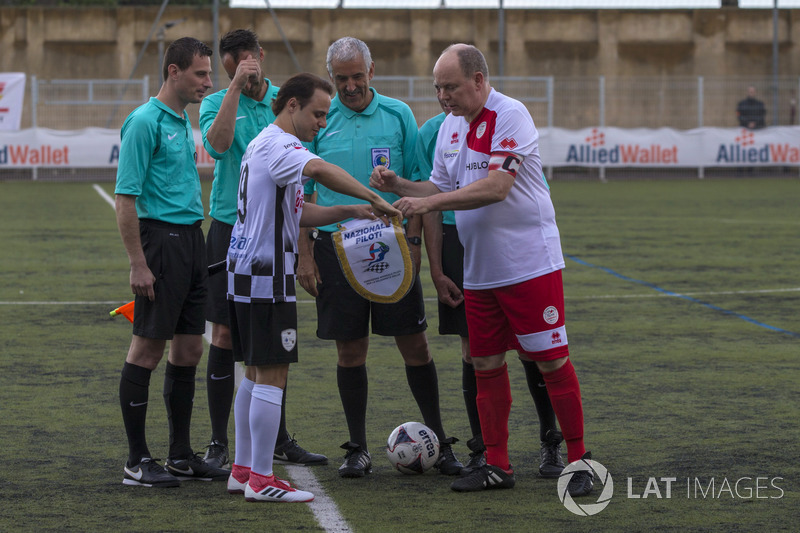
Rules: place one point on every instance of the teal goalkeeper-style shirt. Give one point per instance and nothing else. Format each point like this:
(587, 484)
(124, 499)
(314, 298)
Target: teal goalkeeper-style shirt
(251, 118)
(426, 145)
(385, 133)
(158, 164)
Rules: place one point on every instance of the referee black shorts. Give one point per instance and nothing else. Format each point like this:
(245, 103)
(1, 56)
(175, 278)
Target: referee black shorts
(217, 242)
(264, 333)
(343, 314)
(176, 255)
(452, 321)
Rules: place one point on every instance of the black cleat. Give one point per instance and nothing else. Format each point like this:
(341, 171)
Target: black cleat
(485, 477)
(148, 473)
(291, 453)
(447, 463)
(357, 462)
(193, 467)
(477, 457)
(216, 454)
(582, 481)
(551, 463)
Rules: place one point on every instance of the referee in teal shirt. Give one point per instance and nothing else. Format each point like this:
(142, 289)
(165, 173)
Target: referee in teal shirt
(366, 129)
(159, 213)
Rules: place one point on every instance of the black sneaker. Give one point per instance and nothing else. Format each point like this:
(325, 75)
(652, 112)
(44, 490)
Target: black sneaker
(477, 456)
(148, 473)
(447, 463)
(485, 477)
(551, 463)
(357, 462)
(582, 481)
(290, 453)
(193, 467)
(216, 454)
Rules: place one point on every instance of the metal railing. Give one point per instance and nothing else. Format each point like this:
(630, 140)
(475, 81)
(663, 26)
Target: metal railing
(680, 102)
(76, 104)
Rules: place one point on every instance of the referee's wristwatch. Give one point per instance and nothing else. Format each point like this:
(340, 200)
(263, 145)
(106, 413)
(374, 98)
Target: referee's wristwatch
(313, 234)
(416, 241)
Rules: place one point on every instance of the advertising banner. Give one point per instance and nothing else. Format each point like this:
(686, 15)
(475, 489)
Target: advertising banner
(590, 147)
(12, 96)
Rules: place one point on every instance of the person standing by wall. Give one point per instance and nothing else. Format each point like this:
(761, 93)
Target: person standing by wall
(751, 112)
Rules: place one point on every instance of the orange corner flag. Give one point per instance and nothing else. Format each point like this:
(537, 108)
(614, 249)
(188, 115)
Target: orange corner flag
(125, 310)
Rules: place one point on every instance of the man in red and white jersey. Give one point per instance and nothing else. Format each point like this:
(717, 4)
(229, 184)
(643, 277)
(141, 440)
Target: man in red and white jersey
(487, 168)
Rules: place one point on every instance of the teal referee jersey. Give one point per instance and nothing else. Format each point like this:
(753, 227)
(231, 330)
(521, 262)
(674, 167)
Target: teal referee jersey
(385, 133)
(158, 164)
(251, 118)
(426, 145)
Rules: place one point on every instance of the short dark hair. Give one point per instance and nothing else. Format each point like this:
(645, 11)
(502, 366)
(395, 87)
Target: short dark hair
(182, 52)
(236, 41)
(301, 87)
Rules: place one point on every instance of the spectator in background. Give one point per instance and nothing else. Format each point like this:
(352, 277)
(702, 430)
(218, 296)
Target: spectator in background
(751, 111)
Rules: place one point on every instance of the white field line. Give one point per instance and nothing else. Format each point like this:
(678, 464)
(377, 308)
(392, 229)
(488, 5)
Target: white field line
(324, 508)
(207, 336)
(103, 194)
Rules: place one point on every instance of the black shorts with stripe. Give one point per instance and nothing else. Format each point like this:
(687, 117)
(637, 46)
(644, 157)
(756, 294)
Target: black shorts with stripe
(343, 314)
(217, 242)
(264, 333)
(452, 321)
(176, 255)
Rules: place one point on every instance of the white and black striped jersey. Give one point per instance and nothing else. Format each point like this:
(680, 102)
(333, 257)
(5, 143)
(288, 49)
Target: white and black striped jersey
(263, 252)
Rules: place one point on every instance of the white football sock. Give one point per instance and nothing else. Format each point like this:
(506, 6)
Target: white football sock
(265, 419)
(241, 421)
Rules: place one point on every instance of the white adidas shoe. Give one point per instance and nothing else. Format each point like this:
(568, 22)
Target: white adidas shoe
(277, 490)
(235, 486)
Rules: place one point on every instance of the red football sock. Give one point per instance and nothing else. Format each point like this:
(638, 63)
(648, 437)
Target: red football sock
(240, 473)
(565, 395)
(494, 406)
(259, 481)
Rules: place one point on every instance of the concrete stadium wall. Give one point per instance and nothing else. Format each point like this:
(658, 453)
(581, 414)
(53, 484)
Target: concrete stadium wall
(571, 45)
(58, 43)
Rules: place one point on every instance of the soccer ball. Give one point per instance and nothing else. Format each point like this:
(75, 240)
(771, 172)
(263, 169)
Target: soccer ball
(412, 448)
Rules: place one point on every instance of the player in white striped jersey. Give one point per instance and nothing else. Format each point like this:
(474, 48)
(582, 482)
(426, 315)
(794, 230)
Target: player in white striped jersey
(261, 271)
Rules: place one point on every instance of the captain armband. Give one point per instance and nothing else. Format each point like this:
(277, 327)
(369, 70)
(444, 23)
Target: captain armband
(505, 162)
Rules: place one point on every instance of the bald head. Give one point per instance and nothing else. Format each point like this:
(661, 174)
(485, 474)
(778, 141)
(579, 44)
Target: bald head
(469, 58)
(461, 78)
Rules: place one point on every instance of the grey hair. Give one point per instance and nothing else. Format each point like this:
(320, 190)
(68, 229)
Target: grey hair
(348, 49)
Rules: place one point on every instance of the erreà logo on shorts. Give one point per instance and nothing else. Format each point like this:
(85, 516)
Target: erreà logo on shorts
(600, 474)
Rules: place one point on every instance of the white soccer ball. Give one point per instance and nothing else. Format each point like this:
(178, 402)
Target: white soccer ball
(412, 448)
